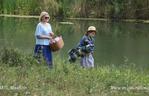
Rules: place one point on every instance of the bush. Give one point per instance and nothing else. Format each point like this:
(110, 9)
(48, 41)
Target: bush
(13, 57)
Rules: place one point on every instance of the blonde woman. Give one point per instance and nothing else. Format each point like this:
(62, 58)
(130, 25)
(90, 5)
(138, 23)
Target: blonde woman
(43, 36)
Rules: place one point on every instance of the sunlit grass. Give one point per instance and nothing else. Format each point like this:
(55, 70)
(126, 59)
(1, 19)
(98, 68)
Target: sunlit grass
(66, 79)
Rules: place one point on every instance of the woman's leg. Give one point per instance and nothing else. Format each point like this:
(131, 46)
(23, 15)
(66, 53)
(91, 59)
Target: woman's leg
(37, 53)
(47, 55)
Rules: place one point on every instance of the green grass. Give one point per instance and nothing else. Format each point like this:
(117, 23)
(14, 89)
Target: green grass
(64, 79)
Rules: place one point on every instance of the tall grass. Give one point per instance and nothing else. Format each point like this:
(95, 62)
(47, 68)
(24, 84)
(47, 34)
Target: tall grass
(66, 79)
(29, 7)
(113, 9)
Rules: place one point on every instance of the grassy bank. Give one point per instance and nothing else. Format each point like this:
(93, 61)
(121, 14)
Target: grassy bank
(18, 16)
(27, 78)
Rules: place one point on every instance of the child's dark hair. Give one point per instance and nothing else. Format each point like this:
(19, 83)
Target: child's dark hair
(86, 33)
(90, 30)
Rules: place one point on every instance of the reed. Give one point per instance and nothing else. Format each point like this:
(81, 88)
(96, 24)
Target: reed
(113, 9)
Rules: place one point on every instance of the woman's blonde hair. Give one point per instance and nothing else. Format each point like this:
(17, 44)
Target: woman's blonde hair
(43, 14)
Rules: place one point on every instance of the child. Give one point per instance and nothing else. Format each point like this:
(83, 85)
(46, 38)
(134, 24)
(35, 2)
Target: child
(86, 45)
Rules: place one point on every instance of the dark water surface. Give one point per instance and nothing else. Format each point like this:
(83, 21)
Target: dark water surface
(116, 42)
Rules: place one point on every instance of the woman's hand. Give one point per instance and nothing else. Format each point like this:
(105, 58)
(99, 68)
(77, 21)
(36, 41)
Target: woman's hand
(51, 34)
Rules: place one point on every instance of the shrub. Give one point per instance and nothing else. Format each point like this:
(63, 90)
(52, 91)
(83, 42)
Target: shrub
(13, 57)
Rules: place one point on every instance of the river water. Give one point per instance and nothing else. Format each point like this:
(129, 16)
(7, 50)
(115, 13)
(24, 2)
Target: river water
(115, 42)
